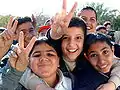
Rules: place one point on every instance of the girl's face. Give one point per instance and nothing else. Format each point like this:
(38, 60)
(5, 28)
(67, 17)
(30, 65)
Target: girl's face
(100, 55)
(89, 17)
(72, 43)
(44, 60)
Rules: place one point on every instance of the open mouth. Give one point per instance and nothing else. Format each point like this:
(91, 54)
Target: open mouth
(103, 66)
(88, 28)
(72, 50)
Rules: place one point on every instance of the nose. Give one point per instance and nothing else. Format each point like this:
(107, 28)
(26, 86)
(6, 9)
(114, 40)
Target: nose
(71, 42)
(101, 60)
(43, 58)
(88, 22)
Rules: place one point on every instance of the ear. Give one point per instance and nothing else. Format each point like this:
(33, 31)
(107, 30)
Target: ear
(58, 62)
(86, 56)
(113, 49)
(29, 62)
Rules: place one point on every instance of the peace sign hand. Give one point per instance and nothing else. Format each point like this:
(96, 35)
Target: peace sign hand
(7, 36)
(20, 60)
(61, 21)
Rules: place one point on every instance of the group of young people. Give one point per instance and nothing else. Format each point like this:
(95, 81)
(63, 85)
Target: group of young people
(72, 56)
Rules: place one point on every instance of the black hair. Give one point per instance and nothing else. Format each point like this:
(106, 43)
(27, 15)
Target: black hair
(77, 22)
(100, 27)
(22, 20)
(107, 23)
(90, 8)
(47, 41)
(93, 38)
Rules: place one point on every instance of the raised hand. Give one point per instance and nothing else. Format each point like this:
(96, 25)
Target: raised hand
(34, 21)
(7, 36)
(61, 21)
(19, 58)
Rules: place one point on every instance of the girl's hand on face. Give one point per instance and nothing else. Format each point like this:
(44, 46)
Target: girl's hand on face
(107, 86)
(19, 58)
(61, 21)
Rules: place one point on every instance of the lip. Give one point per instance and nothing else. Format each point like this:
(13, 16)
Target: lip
(103, 66)
(72, 50)
(88, 28)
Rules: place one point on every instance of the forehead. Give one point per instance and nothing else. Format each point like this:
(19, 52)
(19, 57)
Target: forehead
(88, 13)
(74, 31)
(43, 47)
(25, 25)
(99, 45)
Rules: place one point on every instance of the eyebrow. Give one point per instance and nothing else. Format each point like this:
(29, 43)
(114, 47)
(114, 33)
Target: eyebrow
(76, 35)
(100, 50)
(45, 51)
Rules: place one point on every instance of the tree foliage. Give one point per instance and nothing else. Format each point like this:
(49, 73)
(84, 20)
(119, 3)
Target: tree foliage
(105, 14)
(4, 20)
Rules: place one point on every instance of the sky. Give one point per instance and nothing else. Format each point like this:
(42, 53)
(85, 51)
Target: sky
(49, 7)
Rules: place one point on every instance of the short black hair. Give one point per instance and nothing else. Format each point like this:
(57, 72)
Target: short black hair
(90, 8)
(93, 38)
(107, 23)
(100, 27)
(77, 22)
(22, 20)
(47, 41)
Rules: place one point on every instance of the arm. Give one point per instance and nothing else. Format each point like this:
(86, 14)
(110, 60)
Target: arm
(114, 80)
(10, 78)
(61, 21)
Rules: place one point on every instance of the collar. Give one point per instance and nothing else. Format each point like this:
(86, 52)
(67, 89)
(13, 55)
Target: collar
(63, 81)
(70, 65)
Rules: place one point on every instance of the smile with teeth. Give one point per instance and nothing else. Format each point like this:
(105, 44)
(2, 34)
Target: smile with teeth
(72, 50)
(103, 66)
(88, 27)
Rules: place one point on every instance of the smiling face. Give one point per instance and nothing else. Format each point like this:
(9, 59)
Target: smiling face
(28, 31)
(44, 60)
(89, 17)
(100, 55)
(72, 43)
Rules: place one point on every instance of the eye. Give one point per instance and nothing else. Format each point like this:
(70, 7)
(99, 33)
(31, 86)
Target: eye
(106, 52)
(36, 55)
(31, 30)
(85, 19)
(64, 38)
(93, 55)
(92, 20)
(50, 54)
(78, 37)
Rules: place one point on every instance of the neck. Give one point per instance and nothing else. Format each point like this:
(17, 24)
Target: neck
(70, 64)
(52, 80)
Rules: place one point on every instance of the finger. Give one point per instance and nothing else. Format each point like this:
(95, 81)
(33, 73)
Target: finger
(64, 5)
(6, 35)
(14, 26)
(21, 40)
(9, 25)
(71, 13)
(33, 20)
(30, 45)
(55, 19)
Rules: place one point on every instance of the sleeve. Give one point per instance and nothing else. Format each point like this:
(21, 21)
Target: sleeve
(115, 73)
(10, 78)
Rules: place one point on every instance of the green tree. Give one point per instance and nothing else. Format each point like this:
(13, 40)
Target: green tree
(4, 20)
(103, 14)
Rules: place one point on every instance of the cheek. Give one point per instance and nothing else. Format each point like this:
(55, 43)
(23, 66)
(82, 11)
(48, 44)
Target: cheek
(63, 45)
(33, 64)
(93, 62)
